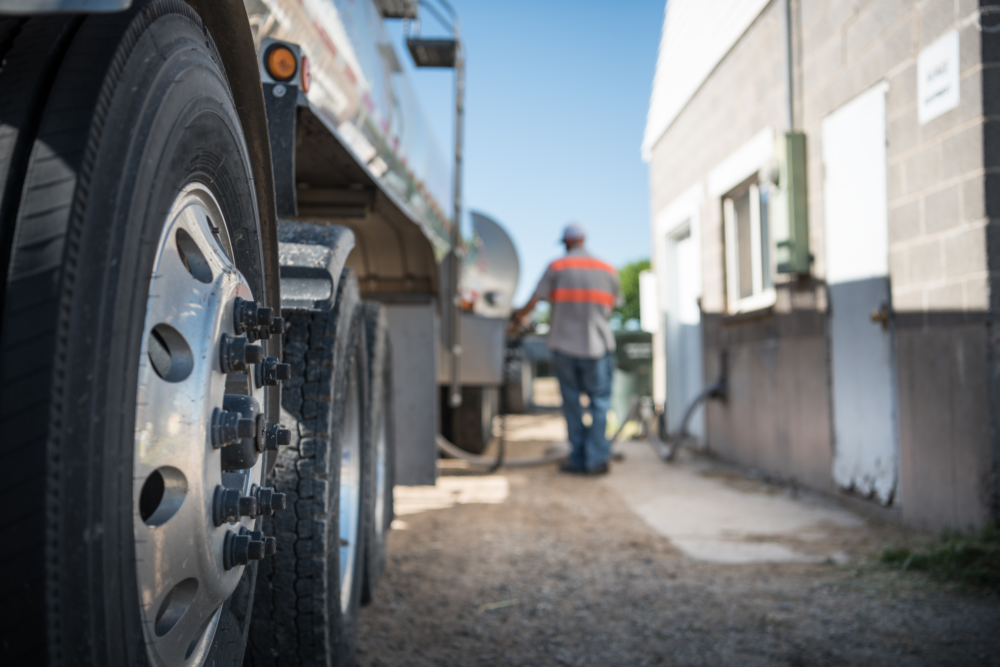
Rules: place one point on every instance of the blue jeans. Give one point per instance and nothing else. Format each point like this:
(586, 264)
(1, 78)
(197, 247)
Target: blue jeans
(591, 377)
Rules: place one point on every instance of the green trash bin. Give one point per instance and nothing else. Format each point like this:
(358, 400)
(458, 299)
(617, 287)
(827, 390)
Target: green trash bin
(633, 369)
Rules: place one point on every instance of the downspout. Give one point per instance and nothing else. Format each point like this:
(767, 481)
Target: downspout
(789, 68)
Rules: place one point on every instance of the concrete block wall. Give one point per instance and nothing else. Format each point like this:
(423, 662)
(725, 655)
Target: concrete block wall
(777, 418)
(937, 234)
(944, 243)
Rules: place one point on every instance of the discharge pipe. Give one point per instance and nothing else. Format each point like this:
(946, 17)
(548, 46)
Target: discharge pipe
(641, 410)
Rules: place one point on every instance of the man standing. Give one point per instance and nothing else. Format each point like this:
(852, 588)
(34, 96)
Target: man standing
(582, 291)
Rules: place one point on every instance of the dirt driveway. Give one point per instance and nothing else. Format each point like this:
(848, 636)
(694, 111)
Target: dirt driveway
(530, 567)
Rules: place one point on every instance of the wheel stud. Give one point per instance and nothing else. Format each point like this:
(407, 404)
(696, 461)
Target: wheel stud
(229, 427)
(236, 354)
(275, 436)
(269, 372)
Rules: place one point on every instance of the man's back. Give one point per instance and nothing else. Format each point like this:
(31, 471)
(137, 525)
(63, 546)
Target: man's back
(583, 291)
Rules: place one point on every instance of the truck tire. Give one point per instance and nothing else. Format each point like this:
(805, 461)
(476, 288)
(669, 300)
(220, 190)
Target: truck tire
(518, 378)
(308, 595)
(31, 50)
(470, 425)
(115, 561)
(383, 446)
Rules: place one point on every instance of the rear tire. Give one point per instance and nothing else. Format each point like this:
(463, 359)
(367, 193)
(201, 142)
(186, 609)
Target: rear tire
(470, 425)
(518, 378)
(138, 108)
(302, 615)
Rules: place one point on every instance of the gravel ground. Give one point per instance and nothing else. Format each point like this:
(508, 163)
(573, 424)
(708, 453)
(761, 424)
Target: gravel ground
(562, 572)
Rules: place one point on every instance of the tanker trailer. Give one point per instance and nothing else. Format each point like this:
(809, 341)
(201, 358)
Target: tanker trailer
(169, 171)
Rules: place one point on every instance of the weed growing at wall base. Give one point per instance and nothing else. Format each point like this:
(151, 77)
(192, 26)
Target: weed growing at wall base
(969, 558)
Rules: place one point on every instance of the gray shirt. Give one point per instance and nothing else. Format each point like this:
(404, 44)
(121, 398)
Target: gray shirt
(583, 292)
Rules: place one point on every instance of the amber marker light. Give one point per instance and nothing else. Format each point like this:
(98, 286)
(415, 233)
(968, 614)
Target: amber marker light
(307, 77)
(281, 63)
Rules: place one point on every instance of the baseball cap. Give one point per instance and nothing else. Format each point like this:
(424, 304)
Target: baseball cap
(574, 231)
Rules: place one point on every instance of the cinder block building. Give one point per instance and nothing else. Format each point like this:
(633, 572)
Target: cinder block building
(825, 198)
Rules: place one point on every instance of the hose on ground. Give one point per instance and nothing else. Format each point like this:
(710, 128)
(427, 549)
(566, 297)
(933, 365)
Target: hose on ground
(552, 455)
(667, 449)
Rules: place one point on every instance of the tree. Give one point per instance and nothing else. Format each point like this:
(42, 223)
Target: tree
(629, 276)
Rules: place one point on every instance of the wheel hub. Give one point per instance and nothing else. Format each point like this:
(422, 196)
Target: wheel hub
(199, 433)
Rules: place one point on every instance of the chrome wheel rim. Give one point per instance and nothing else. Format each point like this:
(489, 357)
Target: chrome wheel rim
(350, 489)
(182, 579)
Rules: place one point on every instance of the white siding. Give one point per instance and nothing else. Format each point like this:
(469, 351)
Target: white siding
(697, 34)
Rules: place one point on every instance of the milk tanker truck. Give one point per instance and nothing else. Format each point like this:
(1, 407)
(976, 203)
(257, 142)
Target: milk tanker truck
(230, 324)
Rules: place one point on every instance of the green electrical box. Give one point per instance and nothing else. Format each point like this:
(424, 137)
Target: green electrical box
(790, 208)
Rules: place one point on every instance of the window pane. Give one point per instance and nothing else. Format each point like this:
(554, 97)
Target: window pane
(741, 209)
(765, 228)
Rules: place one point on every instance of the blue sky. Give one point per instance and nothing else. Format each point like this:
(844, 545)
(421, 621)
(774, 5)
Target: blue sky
(556, 99)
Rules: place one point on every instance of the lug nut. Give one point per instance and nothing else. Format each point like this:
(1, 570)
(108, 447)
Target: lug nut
(229, 427)
(245, 315)
(269, 372)
(248, 506)
(255, 550)
(247, 428)
(277, 326)
(268, 501)
(235, 550)
(228, 505)
(235, 354)
(265, 316)
(225, 506)
(277, 502)
(275, 436)
(270, 546)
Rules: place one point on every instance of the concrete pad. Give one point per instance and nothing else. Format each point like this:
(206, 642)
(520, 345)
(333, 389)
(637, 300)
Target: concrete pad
(450, 491)
(689, 503)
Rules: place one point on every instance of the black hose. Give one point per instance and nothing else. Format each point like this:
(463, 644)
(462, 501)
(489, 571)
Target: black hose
(715, 390)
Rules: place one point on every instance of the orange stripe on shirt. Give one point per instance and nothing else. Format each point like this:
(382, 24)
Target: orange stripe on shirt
(580, 295)
(582, 263)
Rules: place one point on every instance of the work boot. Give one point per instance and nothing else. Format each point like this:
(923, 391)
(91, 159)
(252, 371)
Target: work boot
(571, 469)
(599, 470)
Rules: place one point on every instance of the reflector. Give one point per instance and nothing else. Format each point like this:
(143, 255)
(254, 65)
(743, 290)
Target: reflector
(306, 74)
(281, 63)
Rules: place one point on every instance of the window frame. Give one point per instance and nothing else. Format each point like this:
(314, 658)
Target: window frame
(763, 293)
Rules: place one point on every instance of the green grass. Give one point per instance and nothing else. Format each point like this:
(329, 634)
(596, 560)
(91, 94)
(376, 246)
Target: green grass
(969, 558)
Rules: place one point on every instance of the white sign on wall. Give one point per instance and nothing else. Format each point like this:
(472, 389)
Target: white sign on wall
(938, 78)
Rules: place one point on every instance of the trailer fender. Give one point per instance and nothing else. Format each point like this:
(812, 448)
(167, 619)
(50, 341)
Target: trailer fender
(312, 258)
